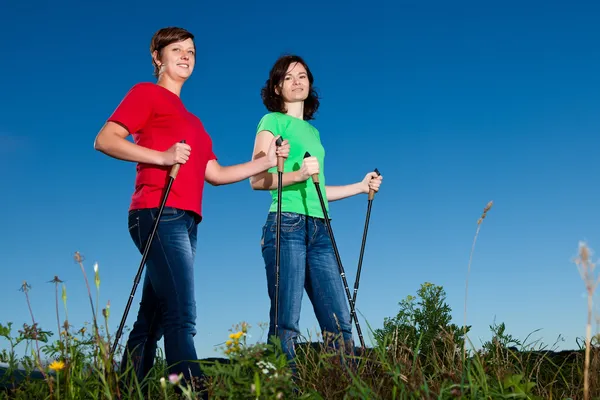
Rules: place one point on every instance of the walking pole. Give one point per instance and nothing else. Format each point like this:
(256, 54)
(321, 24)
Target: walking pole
(172, 176)
(364, 241)
(280, 161)
(315, 179)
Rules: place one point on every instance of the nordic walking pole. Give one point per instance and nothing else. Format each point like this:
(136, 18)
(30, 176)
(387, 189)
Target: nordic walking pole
(280, 161)
(315, 179)
(364, 241)
(172, 176)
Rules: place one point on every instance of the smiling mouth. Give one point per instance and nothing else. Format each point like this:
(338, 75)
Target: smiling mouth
(183, 65)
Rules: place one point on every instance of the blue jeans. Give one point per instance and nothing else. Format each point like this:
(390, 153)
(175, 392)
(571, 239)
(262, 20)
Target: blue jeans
(167, 307)
(307, 263)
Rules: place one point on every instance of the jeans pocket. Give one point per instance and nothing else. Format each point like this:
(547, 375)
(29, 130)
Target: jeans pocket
(290, 222)
(170, 214)
(133, 224)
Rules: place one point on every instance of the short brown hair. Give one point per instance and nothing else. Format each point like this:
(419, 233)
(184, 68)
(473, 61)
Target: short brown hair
(164, 37)
(274, 102)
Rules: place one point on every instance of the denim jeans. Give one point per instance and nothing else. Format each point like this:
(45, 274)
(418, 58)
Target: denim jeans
(167, 306)
(307, 263)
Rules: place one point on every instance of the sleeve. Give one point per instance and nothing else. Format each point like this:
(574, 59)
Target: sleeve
(269, 123)
(211, 153)
(135, 109)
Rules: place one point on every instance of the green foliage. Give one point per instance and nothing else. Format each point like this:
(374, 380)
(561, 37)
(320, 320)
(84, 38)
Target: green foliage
(422, 322)
(417, 356)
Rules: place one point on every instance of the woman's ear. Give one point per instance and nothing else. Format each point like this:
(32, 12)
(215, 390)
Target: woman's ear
(155, 58)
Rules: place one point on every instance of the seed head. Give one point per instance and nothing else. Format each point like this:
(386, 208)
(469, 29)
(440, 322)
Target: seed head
(485, 211)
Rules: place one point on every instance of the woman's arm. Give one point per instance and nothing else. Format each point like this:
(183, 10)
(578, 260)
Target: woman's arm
(219, 175)
(264, 180)
(372, 181)
(341, 192)
(111, 140)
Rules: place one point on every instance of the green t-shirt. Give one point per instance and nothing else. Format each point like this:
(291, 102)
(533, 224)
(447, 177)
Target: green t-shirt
(301, 198)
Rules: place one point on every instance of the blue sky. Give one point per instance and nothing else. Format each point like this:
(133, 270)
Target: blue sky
(456, 104)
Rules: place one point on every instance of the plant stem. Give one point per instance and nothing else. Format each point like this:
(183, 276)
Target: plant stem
(467, 292)
(588, 337)
(58, 318)
(35, 334)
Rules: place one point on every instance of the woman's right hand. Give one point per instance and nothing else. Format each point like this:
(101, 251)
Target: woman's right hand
(179, 153)
(310, 166)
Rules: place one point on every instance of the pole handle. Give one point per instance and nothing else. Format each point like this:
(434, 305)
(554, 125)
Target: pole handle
(280, 160)
(371, 191)
(315, 177)
(175, 167)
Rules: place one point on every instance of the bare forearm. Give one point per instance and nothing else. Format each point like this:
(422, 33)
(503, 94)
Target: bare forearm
(269, 181)
(220, 175)
(122, 149)
(341, 192)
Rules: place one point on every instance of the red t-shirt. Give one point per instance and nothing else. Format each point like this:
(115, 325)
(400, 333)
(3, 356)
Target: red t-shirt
(157, 119)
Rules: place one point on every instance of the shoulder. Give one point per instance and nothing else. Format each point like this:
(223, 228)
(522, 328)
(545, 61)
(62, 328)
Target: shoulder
(270, 117)
(270, 122)
(143, 89)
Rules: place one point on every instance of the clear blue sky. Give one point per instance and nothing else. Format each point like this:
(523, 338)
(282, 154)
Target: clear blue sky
(456, 103)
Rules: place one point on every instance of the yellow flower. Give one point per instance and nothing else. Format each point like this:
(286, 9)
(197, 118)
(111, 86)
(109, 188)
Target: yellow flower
(228, 343)
(57, 365)
(236, 335)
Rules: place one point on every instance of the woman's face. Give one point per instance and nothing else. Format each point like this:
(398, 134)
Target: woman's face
(178, 60)
(295, 86)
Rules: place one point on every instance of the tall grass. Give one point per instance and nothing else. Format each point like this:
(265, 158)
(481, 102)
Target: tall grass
(419, 354)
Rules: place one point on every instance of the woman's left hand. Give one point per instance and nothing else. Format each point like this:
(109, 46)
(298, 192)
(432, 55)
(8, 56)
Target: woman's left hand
(372, 181)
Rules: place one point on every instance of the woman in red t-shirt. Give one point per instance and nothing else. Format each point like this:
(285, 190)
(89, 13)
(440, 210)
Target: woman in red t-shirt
(155, 116)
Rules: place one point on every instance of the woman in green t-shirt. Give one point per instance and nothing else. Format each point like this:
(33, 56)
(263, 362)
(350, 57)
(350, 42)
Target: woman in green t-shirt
(307, 259)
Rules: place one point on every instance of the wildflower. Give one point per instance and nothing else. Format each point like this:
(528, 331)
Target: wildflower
(265, 366)
(106, 311)
(174, 379)
(163, 382)
(57, 365)
(236, 335)
(97, 276)
(56, 280)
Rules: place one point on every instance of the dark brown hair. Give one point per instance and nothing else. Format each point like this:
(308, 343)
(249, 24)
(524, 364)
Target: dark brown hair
(164, 37)
(273, 101)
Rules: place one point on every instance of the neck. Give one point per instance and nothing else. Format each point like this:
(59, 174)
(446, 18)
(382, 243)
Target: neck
(295, 109)
(170, 84)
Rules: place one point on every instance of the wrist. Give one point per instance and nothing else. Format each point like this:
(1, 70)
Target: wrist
(158, 158)
(267, 164)
(296, 176)
(362, 188)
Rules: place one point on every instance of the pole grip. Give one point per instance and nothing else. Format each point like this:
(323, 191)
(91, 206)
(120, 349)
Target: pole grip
(175, 167)
(371, 191)
(315, 177)
(280, 160)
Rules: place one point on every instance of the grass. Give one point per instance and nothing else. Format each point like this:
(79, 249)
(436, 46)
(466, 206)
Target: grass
(418, 354)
